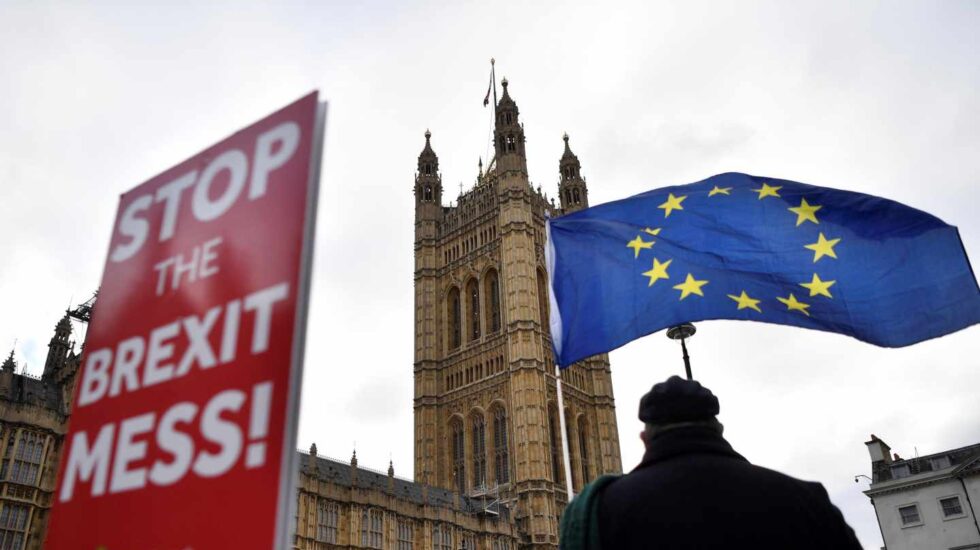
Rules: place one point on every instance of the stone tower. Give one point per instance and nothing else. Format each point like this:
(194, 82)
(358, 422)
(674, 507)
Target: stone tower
(486, 419)
(58, 348)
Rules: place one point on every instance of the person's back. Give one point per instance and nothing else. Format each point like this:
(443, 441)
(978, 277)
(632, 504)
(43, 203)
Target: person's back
(692, 490)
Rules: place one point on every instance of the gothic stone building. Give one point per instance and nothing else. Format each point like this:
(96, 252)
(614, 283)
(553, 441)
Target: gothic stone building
(489, 469)
(33, 420)
(486, 414)
(343, 505)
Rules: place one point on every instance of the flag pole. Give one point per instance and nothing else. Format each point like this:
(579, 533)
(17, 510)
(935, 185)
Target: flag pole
(555, 329)
(564, 435)
(493, 78)
(682, 332)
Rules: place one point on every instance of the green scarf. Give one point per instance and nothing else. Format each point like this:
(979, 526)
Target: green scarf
(579, 528)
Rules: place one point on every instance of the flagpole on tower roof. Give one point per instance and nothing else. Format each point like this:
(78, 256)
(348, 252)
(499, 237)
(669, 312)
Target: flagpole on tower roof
(493, 79)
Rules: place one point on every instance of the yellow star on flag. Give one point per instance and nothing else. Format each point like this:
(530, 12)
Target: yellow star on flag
(690, 286)
(720, 191)
(673, 203)
(793, 305)
(659, 271)
(805, 212)
(653, 232)
(823, 247)
(816, 286)
(744, 301)
(638, 244)
(768, 191)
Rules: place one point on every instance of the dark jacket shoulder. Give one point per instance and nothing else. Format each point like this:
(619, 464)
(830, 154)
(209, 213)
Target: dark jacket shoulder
(692, 490)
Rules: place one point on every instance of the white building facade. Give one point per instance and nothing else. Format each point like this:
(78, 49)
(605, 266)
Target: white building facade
(927, 502)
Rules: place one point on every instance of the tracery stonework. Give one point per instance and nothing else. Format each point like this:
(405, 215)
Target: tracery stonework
(482, 346)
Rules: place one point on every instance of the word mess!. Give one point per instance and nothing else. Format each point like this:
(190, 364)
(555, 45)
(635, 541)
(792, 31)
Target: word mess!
(175, 446)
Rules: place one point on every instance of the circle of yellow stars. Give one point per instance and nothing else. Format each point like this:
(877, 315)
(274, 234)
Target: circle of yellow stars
(805, 212)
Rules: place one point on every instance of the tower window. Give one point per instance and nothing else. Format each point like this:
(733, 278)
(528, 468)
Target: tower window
(508, 118)
(459, 477)
(555, 444)
(543, 301)
(583, 450)
(501, 455)
(493, 302)
(575, 196)
(427, 193)
(473, 291)
(427, 169)
(511, 143)
(454, 319)
(479, 452)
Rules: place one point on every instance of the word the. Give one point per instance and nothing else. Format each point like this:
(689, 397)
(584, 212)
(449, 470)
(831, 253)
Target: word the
(199, 266)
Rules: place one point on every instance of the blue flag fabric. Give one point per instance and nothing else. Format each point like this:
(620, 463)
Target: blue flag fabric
(743, 247)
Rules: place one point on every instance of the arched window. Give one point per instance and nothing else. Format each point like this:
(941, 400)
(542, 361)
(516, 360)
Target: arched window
(571, 446)
(459, 476)
(575, 196)
(501, 456)
(479, 451)
(473, 294)
(511, 143)
(556, 450)
(372, 528)
(583, 449)
(455, 332)
(427, 194)
(27, 462)
(543, 301)
(492, 292)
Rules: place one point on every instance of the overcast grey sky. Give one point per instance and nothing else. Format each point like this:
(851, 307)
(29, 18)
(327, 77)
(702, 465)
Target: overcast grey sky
(878, 97)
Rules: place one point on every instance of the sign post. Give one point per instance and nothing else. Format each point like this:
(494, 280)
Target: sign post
(183, 425)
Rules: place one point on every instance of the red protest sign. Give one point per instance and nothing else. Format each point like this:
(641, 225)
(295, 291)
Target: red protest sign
(183, 426)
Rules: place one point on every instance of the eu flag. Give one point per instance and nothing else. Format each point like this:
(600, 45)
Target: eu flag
(743, 247)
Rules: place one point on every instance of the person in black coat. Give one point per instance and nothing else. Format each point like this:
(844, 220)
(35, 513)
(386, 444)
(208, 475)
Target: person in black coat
(692, 490)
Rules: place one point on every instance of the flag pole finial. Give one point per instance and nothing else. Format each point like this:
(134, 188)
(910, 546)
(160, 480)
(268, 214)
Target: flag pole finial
(682, 332)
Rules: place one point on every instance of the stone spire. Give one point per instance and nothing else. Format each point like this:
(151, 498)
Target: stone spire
(9, 365)
(572, 190)
(428, 183)
(508, 142)
(58, 347)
